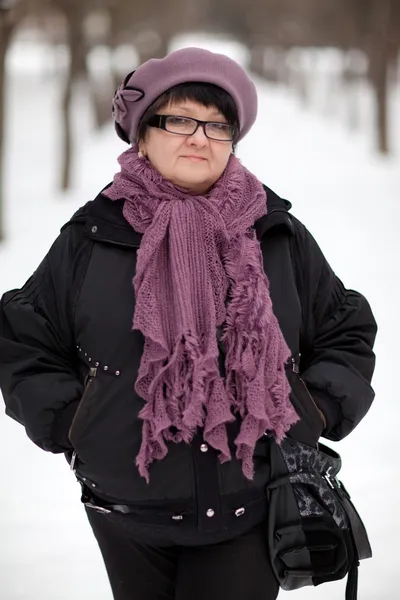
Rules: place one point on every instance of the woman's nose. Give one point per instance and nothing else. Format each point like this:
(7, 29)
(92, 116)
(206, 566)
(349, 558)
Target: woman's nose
(199, 136)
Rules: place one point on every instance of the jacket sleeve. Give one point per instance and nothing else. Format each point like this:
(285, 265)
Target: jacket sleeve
(39, 376)
(339, 329)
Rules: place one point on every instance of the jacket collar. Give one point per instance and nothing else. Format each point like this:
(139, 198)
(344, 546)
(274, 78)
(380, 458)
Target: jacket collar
(103, 220)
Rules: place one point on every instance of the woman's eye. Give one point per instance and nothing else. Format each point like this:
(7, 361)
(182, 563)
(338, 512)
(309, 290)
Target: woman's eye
(177, 120)
(220, 126)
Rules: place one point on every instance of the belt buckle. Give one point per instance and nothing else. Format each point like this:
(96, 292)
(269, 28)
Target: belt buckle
(100, 509)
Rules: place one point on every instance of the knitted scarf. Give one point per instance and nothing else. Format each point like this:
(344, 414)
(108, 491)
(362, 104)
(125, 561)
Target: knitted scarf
(199, 267)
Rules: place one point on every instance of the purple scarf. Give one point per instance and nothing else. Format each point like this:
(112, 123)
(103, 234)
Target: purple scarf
(195, 252)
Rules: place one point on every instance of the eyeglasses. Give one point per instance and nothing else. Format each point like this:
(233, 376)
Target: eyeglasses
(222, 132)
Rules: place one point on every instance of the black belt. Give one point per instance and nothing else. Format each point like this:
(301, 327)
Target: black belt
(155, 517)
(100, 505)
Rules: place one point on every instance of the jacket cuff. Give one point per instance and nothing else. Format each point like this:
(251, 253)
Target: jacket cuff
(330, 409)
(61, 425)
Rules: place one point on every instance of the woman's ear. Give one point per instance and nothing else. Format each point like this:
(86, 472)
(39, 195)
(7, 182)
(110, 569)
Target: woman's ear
(142, 151)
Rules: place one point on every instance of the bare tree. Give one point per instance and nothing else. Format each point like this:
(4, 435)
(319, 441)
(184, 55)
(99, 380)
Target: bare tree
(10, 13)
(372, 26)
(272, 26)
(74, 12)
(382, 51)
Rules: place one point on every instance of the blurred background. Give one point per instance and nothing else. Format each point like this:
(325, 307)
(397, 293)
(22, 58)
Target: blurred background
(327, 138)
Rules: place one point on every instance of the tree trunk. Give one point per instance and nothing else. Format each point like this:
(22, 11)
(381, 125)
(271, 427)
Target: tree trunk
(100, 97)
(379, 77)
(256, 64)
(66, 144)
(381, 85)
(379, 53)
(74, 14)
(6, 28)
(3, 48)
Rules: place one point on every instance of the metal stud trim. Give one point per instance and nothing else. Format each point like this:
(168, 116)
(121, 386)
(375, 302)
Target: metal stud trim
(117, 373)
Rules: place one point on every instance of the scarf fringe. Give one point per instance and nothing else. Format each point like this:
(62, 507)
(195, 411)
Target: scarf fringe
(257, 354)
(185, 394)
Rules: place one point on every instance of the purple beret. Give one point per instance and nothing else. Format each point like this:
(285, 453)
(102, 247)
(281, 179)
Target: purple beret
(138, 91)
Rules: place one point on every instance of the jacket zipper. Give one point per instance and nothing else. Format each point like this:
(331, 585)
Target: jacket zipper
(88, 380)
(297, 371)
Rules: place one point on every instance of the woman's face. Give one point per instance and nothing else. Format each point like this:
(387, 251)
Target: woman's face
(192, 162)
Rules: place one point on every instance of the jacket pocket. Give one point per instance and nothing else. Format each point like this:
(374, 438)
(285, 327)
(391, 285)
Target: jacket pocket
(81, 416)
(311, 425)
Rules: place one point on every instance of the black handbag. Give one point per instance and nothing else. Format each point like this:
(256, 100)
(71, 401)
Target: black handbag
(315, 534)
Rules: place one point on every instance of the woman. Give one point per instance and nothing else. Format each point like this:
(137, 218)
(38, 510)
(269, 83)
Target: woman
(165, 394)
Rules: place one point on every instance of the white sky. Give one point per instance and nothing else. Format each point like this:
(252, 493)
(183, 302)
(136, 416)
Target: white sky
(347, 196)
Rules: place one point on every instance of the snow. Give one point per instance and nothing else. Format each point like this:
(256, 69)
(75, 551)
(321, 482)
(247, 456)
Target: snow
(344, 192)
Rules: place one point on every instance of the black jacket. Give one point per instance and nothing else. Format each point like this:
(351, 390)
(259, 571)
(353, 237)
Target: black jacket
(69, 360)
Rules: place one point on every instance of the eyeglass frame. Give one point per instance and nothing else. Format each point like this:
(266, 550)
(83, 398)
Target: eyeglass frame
(162, 119)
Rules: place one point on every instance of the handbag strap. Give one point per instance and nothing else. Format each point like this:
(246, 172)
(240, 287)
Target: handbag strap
(358, 531)
(352, 582)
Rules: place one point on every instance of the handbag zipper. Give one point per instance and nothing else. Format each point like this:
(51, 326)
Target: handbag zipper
(328, 478)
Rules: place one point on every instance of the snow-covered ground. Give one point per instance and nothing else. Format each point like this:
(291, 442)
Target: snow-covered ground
(345, 194)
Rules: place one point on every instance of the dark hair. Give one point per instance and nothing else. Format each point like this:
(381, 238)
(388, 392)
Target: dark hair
(206, 94)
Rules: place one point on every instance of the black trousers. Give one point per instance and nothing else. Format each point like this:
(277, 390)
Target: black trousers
(238, 569)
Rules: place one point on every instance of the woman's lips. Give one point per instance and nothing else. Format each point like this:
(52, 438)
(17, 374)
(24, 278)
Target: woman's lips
(195, 158)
